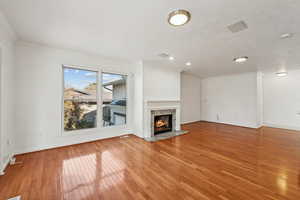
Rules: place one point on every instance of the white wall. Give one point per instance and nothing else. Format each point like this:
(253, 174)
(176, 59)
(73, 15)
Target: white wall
(39, 91)
(230, 99)
(282, 100)
(7, 79)
(190, 98)
(161, 83)
(260, 99)
(138, 100)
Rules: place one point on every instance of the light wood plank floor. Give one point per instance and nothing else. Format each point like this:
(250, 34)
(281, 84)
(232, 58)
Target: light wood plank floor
(214, 161)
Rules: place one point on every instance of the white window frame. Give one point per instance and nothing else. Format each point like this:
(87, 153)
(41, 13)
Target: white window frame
(99, 124)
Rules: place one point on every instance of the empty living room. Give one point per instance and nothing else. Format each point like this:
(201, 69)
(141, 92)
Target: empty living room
(149, 100)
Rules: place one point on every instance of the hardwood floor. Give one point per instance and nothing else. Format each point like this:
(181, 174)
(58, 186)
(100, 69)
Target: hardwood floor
(212, 162)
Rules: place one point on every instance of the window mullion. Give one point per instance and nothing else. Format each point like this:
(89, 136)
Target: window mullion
(99, 98)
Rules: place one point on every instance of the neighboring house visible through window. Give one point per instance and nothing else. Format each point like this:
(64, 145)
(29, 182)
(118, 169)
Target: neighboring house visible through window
(114, 98)
(81, 99)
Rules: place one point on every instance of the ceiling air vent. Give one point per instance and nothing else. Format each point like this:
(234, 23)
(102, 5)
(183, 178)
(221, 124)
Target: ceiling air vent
(237, 27)
(164, 55)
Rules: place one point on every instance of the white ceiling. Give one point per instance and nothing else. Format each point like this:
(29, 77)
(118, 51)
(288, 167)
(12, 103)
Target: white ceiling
(138, 30)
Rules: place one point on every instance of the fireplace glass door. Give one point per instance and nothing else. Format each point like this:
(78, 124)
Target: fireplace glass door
(162, 123)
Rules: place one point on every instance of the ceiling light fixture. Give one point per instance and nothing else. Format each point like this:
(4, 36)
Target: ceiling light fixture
(286, 35)
(188, 64)
(240, 59)
(171, 58)
(179, 17)
(281, 74)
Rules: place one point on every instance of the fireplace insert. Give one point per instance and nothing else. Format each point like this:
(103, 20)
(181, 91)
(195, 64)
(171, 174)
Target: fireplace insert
(162, 123)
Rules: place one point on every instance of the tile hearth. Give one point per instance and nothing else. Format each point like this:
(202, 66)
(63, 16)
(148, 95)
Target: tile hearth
(164, 136)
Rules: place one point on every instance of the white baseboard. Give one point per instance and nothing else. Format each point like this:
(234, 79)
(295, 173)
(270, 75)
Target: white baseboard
(5, 164)
(35, 148)
(234, 124)
(296, 128)
(189, 122)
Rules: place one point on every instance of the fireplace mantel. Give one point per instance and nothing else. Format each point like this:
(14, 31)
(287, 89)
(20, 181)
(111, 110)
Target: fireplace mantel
(162, 101)
(162, 104)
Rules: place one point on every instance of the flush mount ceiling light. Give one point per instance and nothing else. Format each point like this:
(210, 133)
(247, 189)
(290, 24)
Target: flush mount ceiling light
(286, 35)
(179, 17)
(281, 74)
(188, 64)
(240, 59)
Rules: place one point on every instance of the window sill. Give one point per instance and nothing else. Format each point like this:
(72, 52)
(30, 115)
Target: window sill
(91, 131)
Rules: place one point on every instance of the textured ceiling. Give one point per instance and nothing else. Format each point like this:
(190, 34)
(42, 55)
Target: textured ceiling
(138, 30)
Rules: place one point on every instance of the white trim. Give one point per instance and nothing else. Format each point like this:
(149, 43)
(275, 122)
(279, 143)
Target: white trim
(62, 99)
(91, 131)
(88, 68)
(294, 128)
(99, 117)
(161, 101)
(104, 70)
(189, 122)
(64, 143)
(5, 164)
(233, 124)
(1, 109)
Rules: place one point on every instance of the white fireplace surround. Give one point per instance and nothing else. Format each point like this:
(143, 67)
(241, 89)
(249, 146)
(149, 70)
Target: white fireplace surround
(159, 105)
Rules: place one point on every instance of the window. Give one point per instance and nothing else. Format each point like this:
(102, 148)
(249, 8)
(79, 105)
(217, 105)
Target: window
(80, 99)
(114, 99)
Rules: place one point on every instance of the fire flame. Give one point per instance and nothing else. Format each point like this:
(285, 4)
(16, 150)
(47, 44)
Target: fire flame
(161, 123)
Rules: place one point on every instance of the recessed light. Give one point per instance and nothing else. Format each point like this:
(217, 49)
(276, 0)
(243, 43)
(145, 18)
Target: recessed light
(179, 17)
(171, 58)
(240, 59)
(281, 74)
(286, 35)
(188, 64)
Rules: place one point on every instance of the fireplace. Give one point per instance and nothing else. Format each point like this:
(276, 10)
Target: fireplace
(162, 120)
(158, 108)
(162, 123)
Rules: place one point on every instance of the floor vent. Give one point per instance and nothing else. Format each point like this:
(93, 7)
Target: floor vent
(16, 198)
